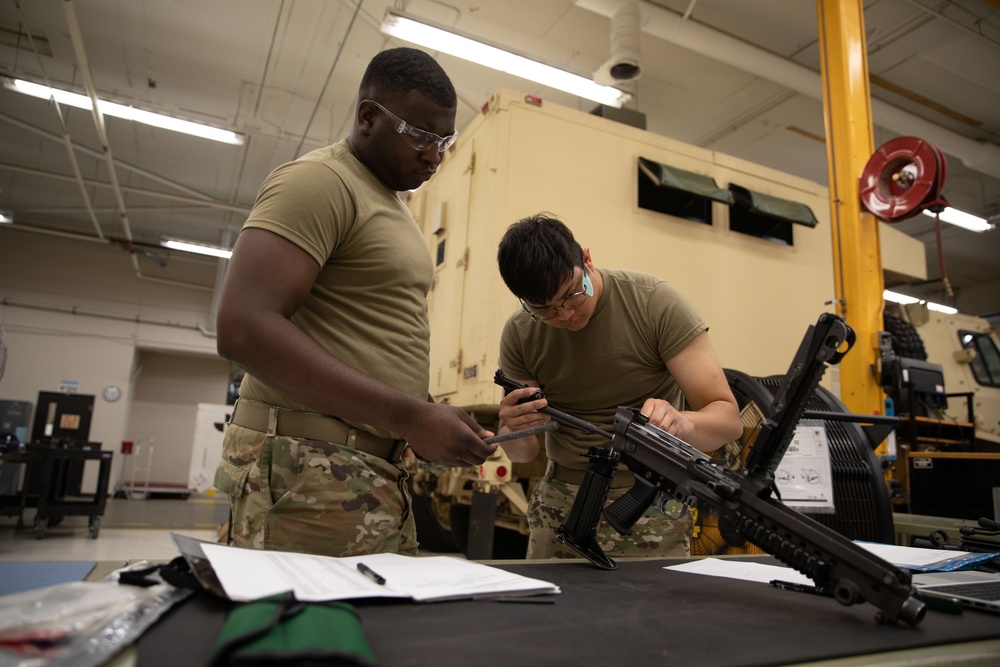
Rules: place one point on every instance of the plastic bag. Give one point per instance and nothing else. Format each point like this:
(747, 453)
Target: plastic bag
(78, 624)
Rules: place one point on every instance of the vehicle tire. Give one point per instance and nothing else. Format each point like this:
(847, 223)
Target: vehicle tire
(507, 544)
(906, 342)
(459, 516)
(431, 535)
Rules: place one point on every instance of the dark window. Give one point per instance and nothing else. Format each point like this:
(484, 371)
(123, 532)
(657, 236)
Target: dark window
(440, 253)
(986, 360)
(767, 217)
(677, 192)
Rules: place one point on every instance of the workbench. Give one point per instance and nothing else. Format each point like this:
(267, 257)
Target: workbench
(48, 467)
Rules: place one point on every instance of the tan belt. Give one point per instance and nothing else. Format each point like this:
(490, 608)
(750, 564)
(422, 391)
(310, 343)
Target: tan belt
(561, 473)
(312, 426)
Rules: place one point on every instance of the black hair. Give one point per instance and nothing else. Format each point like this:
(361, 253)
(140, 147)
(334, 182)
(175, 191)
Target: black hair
(395, 72)
(536, 256)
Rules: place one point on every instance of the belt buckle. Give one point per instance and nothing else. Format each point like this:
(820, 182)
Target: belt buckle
(397, 446)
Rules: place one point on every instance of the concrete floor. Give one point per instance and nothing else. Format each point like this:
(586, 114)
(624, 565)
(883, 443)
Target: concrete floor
(130, 530)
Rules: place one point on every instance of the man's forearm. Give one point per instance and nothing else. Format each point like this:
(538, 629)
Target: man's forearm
(519, 450)
(714, 425)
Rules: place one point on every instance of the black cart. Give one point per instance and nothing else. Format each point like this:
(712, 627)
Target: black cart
(52, 484)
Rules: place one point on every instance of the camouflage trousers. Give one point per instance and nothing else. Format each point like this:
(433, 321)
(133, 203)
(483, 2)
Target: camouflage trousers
(311, 496)
(653, 534)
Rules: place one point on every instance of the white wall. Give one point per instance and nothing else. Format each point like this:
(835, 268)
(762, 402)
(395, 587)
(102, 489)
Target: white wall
(166, 395)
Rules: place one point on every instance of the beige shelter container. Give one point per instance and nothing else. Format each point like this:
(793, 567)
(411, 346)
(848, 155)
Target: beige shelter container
(523, 156)
(749, 245)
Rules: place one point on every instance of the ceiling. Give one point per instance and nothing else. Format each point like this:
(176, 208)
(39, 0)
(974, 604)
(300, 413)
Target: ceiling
(285, 74)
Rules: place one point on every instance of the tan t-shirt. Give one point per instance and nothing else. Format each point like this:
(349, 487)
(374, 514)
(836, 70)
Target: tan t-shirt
(619, 358)
(368, 307)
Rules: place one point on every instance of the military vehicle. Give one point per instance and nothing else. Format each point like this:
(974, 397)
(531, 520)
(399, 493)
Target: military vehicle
(730, 234)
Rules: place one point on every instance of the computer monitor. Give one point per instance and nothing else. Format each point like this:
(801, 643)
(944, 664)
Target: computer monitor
(926, 379)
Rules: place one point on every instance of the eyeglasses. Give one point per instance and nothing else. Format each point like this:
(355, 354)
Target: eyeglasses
(421, 140)
(574, 300)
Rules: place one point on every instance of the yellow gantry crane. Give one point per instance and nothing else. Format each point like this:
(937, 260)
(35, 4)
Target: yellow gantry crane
(857, 262)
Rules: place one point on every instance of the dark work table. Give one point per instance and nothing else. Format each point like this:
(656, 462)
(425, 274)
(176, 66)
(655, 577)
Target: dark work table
(636, 615)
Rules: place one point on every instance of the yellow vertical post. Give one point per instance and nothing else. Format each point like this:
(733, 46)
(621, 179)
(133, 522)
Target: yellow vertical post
(857, 263)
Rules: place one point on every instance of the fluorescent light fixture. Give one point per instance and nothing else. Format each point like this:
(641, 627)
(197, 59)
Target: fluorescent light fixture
(905, 300)
(197, 248)
(447, 41)
(896, 297)
(947, 310)
(961, 219)
(127, 112)
(6, 217)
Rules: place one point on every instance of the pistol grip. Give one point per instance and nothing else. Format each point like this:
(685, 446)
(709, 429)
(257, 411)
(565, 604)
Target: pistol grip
(624, 512)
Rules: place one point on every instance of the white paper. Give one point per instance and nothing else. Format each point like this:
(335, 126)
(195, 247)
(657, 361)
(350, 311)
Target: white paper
(441, 577)
(734, 569)
(250, 574)
(804, 478)
(912, 558)
(915, 558)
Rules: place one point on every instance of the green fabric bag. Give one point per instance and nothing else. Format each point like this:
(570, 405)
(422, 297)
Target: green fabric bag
(281, 630)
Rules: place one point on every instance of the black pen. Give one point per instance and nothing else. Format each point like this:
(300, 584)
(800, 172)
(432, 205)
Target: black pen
(802, 588)
(371, 574)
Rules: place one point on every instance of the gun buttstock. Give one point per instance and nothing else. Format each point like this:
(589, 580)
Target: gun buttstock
(579, 530)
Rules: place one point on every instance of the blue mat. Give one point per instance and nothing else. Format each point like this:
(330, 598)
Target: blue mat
(16, 577)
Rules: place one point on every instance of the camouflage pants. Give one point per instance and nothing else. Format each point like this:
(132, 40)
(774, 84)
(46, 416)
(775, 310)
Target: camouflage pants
(653, 534)
(311, 496)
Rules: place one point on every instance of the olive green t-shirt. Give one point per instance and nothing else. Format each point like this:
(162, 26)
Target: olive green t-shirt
(619, 358)
(368, 306)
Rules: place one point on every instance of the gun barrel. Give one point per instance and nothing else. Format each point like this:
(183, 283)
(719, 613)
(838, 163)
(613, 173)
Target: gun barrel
(569, 420)
(853, 574)
(576, 422)
(664, 464)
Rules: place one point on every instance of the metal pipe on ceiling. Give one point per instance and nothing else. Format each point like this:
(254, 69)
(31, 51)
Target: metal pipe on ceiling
(980, 156)
(326, 82)
(210, 203)
(83, 65)
(83, 238)
(76, 38)
(76, 310)
(65, 138)
(947, 19)
(145, 173)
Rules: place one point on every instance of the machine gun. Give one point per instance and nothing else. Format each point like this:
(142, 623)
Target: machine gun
(668, 469)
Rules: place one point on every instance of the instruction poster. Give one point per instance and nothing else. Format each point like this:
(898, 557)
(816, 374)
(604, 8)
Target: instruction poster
(804, 477)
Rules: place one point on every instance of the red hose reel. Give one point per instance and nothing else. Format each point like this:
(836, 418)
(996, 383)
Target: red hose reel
(902, 178)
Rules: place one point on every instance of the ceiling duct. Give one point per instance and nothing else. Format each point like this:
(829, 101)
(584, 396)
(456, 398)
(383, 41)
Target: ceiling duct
(980, 156)
(625, 61)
